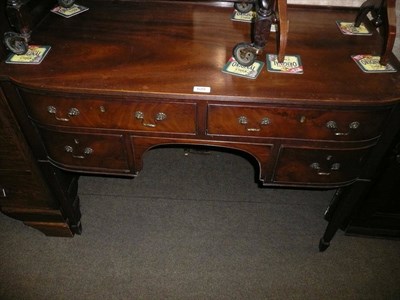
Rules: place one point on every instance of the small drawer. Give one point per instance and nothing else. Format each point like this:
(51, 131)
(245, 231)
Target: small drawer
(319, 166)
(137, 115)
(319, 124)
(23, 191)
(86, 152)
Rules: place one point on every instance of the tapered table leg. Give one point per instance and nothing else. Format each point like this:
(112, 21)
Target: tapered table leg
(344, 202)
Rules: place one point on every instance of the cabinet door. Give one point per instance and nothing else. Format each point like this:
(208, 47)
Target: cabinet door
(319, 166)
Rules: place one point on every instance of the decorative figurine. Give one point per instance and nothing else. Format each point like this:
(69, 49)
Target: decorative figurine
(23, 16)
(266, 15)
(383, 17)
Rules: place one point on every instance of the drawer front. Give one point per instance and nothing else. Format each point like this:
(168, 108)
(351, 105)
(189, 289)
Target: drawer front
(319, 124)
(141, 115)
(319, 166)
(86, 152)
(23, 191)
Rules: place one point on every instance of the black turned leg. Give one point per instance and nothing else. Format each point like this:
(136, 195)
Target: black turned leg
(76, 228)
(344, 202)
(323, 245)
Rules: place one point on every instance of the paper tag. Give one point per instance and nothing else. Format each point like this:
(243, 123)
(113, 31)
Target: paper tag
(34, 56)
(370, 64)
(201, 89)
(234, 68)
(69, 12)
(348, 28)
(290, 65)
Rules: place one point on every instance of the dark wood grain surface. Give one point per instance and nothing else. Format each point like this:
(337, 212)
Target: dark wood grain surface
(119, 80)
(168, 48)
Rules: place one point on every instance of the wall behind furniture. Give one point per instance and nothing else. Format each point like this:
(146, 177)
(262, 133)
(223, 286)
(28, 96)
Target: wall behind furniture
(328, 2)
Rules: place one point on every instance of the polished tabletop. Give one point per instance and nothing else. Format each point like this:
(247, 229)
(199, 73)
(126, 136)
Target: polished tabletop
(166, 49)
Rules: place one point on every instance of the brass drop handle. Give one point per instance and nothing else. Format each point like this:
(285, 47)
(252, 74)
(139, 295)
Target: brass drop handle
(333, 126)
(139, 115)
(71, 113)
(87, 151)
(244, 121)
(317, 166)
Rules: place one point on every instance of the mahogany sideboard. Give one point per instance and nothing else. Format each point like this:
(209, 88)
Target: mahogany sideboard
(124, 77)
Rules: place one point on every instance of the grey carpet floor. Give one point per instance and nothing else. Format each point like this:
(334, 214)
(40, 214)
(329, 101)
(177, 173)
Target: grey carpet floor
(195, 227)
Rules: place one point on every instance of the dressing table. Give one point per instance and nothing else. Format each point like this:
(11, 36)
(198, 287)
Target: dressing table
(124, 77)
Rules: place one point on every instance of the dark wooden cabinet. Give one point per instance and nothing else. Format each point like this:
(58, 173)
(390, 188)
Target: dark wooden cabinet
(378, 214)
(25, 193)
(116, 84)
